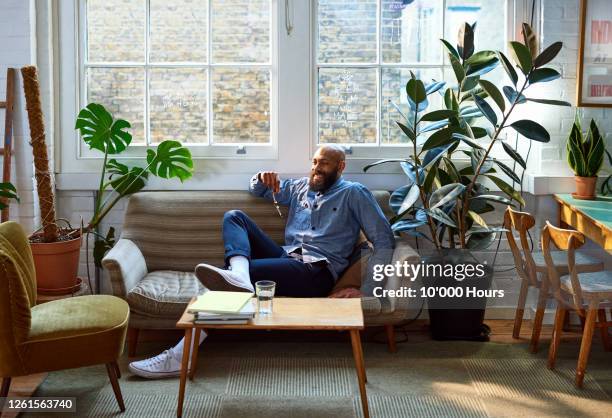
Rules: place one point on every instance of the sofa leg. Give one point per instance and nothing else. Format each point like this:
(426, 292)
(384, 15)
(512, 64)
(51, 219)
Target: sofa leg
(390, 330)
(111, 369)
(132, 341)
(6, 384)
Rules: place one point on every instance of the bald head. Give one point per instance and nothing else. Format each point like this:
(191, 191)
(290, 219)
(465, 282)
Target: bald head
(331, 151)
(327, 166)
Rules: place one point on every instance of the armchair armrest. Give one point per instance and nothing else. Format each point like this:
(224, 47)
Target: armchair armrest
(403, 252)
(126, 266)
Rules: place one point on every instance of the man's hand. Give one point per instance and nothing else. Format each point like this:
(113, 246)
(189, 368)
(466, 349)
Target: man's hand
(270, 179)
(348, 292)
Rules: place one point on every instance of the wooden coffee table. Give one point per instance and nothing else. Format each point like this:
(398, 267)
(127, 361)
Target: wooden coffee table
(289, 314)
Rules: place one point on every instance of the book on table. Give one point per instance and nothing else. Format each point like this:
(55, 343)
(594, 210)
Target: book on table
(203, 314)
(220, 302)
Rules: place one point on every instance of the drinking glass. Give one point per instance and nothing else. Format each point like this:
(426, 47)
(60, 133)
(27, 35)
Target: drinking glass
(265, 294)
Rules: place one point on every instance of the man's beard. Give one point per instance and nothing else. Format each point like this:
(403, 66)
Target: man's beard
(328, 180)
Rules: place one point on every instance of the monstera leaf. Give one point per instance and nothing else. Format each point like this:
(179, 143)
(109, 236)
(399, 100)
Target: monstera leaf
(126, 180)
(102, 246)
(7, 191)
(170, 160)
(100, 132)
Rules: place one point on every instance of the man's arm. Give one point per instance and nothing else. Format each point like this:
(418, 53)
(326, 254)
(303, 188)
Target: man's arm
(258, 188)
(377, 230)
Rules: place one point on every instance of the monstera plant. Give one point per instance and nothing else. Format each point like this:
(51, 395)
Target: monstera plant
(100, 131)
(443, 195)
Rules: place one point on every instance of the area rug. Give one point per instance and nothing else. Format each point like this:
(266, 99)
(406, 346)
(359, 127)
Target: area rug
(427, 379)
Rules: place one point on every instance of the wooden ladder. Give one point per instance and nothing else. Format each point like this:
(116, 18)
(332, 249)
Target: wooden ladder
(7, 150)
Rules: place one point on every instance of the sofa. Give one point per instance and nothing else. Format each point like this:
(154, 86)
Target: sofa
(166, 234)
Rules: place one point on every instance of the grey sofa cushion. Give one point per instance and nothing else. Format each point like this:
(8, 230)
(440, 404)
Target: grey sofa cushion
(164, 293)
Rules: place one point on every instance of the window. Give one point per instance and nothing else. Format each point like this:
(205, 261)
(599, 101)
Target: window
(192, 70)
(366, 49)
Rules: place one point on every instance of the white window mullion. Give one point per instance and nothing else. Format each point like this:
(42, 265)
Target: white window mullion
(209, 105)
(147, 121)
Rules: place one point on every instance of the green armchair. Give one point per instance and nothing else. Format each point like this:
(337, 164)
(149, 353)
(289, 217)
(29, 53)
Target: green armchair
(62, 334)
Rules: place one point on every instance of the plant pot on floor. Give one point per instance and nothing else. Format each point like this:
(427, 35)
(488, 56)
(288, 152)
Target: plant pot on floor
(585, 188)
(57, 264)
(457, 307)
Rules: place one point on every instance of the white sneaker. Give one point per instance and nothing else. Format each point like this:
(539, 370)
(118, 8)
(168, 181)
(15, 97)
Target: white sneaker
(214, 278)
(158, 367)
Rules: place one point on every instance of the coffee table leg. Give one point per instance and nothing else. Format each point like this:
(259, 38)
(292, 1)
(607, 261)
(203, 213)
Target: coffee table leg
(360, 366)
(184, 371)
(194, 353)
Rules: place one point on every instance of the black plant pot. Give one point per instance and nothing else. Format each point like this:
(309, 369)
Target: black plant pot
(461, 316)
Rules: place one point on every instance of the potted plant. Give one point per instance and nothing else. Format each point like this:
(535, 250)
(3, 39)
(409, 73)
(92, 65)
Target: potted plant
(585, 156)
(56, 249)
(102, 132)
(444, 196)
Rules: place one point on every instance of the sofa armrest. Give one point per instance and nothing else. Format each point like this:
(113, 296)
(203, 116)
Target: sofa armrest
(126, 266)
(403, 252)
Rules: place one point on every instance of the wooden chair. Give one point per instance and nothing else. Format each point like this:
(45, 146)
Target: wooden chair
(531, 268)
(586, 293)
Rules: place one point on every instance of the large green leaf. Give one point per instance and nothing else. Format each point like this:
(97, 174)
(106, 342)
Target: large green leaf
(457, 68)
(486, 109)
(385, 161)
(508, 171)
(126, 180)
(467, 140)
(438, 115)
(494, 198)
(530, 39)
(508, 67)
(514, 155)
(170, 160)
(542, 75)
(445, 194)
(415, 89)
(440, 216)
(438, 139)
(450, 48)
(406, 130)
(100, 132)
(551, 102)
(494, 93)
(7, 191)
(522, 56)
(531, 130)
(548, 54)
(480, 240)
(575, 157)
(465, 41)
(507, 189)
(513, 95)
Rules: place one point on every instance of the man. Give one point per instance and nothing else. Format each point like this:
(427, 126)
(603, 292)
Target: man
(326, 215)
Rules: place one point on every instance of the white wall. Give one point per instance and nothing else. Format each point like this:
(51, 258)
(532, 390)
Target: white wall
(560, 22)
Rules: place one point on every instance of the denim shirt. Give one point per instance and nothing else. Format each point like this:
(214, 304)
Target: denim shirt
(326, 226)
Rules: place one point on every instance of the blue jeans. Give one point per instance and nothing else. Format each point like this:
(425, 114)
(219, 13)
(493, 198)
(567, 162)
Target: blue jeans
(269, 261)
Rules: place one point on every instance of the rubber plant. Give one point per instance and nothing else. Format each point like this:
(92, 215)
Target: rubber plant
(441, 194)
(585, 156)
(102, 132)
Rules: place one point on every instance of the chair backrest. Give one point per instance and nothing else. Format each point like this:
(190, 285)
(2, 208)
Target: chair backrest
(17, 295)
(566, 240)
(521, 222)
(179, 229)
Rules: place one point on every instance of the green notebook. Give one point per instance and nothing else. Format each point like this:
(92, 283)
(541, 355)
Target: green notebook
(220, 302)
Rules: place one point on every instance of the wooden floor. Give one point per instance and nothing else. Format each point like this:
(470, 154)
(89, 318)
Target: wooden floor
(501, 332)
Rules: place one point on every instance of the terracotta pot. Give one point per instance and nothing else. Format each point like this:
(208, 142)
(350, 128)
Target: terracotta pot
(57, 265)
(585, 188)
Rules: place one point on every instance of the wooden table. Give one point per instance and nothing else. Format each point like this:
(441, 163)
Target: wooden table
(289, 314)
(591, 217)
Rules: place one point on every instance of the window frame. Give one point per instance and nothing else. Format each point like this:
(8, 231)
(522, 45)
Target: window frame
(363, 154)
